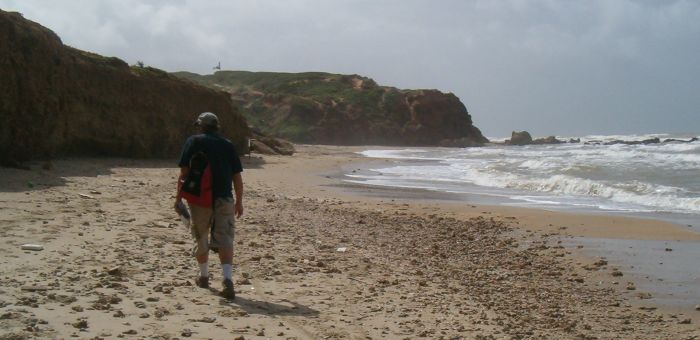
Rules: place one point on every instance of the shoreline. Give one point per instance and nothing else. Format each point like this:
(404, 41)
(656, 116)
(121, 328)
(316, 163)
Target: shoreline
(568, 227)
(578, 224)
(591, 235)
(374, 176)
(407, 268)
(329, 174)
(577, 229)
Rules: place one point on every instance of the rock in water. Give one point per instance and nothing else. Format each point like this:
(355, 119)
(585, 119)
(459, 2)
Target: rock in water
(547, 140)
(519, 138)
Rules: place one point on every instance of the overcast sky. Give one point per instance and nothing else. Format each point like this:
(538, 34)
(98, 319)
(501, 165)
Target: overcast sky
(550, 67)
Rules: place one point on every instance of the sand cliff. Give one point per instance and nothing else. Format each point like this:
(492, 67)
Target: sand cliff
(56, 100)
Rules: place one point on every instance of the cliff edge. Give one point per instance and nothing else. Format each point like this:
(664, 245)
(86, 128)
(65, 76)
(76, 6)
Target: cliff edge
(325, 108)
(56, 100)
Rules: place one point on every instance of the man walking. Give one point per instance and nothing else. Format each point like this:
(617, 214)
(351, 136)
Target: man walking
(225, 168)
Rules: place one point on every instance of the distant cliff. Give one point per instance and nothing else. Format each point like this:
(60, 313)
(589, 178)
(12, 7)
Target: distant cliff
(56, 100)
(324, 108)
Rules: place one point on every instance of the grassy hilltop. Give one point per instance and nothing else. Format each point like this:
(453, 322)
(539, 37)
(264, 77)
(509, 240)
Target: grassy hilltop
(325, 108)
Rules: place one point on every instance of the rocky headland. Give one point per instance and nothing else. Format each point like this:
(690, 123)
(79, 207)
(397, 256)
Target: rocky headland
(325, 108)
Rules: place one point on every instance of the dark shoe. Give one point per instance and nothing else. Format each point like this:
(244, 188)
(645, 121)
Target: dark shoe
(202, 282)
(228, 291)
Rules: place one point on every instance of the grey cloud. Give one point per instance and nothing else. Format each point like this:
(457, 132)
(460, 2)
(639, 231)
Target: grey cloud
(551, 67)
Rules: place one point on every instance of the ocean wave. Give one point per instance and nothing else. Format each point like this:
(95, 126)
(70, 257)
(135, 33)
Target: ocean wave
(659, 177)
(650, 196)
(405, 154)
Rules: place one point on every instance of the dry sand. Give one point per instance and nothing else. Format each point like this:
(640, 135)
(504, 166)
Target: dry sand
(116, 261)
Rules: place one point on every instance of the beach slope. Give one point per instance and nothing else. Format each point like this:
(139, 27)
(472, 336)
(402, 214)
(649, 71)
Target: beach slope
(313, 261)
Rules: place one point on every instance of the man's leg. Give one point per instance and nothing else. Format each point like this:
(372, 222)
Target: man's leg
(226, 255)
(201, 221)
(224, 230)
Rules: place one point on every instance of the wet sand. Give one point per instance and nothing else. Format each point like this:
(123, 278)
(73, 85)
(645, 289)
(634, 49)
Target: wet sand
(314, 260)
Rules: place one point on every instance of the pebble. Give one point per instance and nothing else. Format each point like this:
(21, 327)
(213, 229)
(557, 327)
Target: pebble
(114, 270)
(644, 296)
(35, 247)
(80, 324)
(34, 288)
(600, 263)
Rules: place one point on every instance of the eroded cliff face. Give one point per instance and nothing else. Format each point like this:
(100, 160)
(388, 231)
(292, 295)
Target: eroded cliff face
(323, 108)
(440, 117)
(59, 101)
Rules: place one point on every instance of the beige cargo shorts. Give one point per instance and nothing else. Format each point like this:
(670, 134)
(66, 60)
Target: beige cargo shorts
(222, 217)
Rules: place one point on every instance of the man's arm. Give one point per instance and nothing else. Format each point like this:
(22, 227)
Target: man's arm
(184, 171)
(238, 187)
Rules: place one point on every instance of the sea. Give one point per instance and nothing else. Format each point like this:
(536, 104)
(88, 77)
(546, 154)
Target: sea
(658, 180)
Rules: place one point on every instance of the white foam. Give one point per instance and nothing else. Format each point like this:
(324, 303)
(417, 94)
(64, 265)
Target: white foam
(661, 177)
(406, 154)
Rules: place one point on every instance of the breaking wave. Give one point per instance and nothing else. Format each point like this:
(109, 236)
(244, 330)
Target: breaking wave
(660, 177)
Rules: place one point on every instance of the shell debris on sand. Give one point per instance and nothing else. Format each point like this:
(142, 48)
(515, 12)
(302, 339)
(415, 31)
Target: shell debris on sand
(34, 247)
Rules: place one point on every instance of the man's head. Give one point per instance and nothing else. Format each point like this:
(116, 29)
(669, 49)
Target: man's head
(207, 122)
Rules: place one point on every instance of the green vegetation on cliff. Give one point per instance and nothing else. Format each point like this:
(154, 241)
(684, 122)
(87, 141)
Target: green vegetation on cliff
(317, 107)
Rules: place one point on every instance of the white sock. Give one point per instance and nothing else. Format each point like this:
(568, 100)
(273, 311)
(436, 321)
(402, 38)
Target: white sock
(228, 271)
(204, 269)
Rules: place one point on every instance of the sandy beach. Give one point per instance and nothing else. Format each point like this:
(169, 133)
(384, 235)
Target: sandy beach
(317, 258)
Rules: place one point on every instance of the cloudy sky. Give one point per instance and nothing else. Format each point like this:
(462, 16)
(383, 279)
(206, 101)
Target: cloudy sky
(550, 67)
